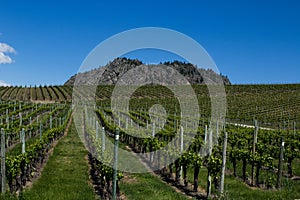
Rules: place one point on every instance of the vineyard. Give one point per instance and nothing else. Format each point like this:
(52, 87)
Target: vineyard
(274, 106)
(27, 133)
(255, 154)
(49, 94)
(264, 156)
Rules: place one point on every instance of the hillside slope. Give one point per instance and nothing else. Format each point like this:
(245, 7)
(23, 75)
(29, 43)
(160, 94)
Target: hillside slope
(110, 74)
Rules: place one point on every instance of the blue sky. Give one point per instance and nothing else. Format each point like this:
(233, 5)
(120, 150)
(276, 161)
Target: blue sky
(250, 41)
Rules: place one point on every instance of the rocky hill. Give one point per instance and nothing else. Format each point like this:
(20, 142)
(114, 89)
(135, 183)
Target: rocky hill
(113, 71)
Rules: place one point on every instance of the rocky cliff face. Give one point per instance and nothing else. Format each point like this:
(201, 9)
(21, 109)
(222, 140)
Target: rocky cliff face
(113, 71)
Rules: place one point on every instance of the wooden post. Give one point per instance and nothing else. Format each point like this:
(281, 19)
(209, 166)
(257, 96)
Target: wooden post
(181, 148)
(103, 139)
(30, 122)
(208, 173)
(115, 167)
(153, 135)
(7, 122)
(253, 150)
(23, 140)
(181, 139)
(205, 136)
(3, 174)
(280, 164)
(223, 162)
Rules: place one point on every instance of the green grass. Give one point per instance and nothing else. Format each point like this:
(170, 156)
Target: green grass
(66, 174)
(145, 185)
(236, 189)
(148, 186)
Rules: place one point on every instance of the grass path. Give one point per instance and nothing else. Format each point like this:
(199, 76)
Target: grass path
(148, 186)
(65, 175)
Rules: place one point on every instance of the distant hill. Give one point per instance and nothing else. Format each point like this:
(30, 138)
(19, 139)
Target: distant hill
(110, 74)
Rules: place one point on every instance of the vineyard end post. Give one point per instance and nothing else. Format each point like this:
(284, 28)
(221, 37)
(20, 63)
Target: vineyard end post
(114, 195)
(3, 175)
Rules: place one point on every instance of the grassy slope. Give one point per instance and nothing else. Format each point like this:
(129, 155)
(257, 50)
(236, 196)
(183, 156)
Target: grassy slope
(66, 174)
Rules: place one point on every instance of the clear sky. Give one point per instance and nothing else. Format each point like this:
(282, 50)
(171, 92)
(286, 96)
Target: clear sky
(45, 42)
